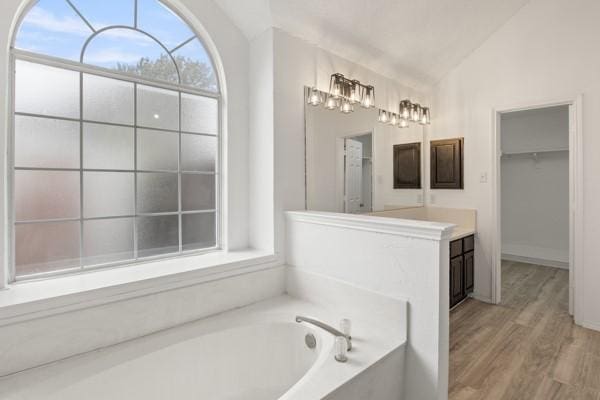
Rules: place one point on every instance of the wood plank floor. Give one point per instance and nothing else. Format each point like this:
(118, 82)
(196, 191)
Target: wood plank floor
(526, 348)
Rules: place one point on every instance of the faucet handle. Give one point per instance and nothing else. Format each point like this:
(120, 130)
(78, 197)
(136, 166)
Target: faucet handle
(341, 347)
(346, 327)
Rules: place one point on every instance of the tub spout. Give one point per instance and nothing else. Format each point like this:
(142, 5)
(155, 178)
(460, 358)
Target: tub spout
(325, 327)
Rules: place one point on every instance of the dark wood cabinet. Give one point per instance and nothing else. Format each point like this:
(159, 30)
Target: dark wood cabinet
(407, 166)
(462, 269)
(456, 280)
(446, 159)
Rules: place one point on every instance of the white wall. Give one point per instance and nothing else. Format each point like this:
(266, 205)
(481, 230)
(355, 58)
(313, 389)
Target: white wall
(535, 189)
(547, 52)
(222, 38)
(296, 65)
(324, 177)
(395, 257)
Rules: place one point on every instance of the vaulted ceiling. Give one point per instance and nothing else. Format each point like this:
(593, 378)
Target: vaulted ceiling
(415, 41)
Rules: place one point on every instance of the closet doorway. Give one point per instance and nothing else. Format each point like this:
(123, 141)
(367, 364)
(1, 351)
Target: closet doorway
(537, 192)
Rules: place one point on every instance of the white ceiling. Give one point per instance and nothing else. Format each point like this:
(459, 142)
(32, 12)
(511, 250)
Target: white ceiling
(414, 41)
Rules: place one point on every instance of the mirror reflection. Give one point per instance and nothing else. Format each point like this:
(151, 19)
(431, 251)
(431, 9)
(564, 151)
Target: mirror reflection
(356, 164)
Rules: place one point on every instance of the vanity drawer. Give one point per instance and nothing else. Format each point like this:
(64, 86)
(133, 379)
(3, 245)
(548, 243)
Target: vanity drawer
(456, 248)
(469, 243)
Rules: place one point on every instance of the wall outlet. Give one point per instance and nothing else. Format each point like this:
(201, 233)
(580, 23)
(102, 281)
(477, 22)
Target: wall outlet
(483, 178)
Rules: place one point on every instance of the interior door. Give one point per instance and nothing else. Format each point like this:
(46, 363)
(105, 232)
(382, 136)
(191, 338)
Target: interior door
(353, 175)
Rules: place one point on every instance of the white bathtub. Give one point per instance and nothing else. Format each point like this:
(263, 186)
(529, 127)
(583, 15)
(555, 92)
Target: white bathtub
(257, 352)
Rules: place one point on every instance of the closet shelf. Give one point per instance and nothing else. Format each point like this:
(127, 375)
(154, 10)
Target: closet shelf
(532, 152)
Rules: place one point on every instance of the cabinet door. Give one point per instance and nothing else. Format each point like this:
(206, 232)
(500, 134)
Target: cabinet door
(446, 167)
(456, 281)
(469, 271)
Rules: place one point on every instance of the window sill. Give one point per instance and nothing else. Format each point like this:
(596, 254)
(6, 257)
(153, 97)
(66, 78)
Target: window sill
(35, 299)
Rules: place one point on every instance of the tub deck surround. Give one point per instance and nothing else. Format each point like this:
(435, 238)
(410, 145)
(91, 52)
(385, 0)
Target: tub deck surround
(256, 352)
(399, 258)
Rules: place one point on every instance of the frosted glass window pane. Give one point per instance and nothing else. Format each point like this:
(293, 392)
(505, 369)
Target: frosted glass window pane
(157, 150)
(107, 100)
(46, 195)
(108, 194)
(198, 231)
(197, 192)
(107, 240)
(46, 143)
(157, 235)
(157, 192)
(46, 90)
(107, 147)
(198, 153)
(46, 247)
(195, 66)
(199, 114)
(157, 108)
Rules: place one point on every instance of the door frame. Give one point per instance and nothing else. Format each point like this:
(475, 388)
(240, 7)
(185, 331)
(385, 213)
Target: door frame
(342, 138)
(575, 197)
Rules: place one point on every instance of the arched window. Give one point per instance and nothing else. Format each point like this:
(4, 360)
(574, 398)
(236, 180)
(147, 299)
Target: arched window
(115, 137)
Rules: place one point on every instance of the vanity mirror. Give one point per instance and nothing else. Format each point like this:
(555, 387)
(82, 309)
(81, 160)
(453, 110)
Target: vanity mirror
(357, 163)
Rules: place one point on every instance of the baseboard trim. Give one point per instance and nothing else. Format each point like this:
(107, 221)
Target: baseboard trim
(591, 325)
(479, 297)
(536, 261)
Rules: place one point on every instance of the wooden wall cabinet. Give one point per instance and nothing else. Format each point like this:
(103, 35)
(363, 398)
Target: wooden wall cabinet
(447, 164)
(407, 166)
(462, 269)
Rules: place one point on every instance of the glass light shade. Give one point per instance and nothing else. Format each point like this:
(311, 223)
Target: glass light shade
(355, 90)
(383, 116)
(331, 103)
(416, 113)
(336, 86)
(394, 119)
(403, 123)
(368, 97)
(346, 107)
(405, 109)
(314, 97)
(425, 116)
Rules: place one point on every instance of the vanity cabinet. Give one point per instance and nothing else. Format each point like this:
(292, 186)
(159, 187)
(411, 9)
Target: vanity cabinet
(462, 268)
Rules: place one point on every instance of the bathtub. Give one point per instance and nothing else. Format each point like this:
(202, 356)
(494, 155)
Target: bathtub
(257, 352)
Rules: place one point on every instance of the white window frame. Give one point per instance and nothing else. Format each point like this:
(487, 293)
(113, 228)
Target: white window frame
(81, 68)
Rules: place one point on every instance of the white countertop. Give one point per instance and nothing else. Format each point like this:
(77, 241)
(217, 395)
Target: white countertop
(460, 232)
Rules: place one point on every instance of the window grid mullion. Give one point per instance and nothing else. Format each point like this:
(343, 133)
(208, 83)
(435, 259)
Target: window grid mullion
(179, 209)
(135, 180)
(81, 244)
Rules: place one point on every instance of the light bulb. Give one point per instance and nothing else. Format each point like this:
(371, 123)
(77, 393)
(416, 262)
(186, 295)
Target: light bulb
(394, 119)
(354, 97)
(315, 97)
